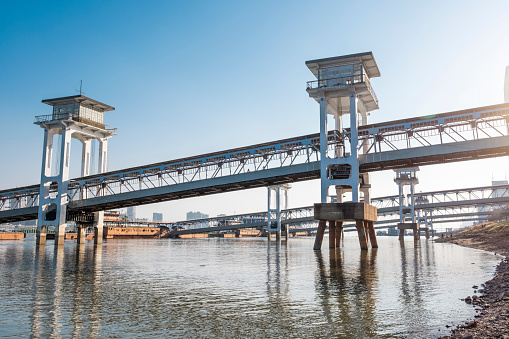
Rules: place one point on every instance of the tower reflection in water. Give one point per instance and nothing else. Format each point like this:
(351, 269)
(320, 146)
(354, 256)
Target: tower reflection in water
(59, 306)
(347, 298)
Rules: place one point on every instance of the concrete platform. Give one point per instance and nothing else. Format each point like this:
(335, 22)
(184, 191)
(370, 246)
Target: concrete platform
(409, 226)
(336, 213)
(347, 211)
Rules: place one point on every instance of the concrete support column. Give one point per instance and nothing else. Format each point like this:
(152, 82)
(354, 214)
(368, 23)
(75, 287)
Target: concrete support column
(60, 235)
(339, 194)
(81, 234)
(339, 231)
(103, 156)
(372, 234)
(412, 203)
(85, 158)
(401, 235)
(98, 227)
(361, 231)
(332, 234)
(41, 235)
(322, 224)
(417, 233)
(400, 203)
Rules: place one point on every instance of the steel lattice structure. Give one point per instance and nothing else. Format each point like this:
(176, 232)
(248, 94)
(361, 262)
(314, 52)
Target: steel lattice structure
(448, 137)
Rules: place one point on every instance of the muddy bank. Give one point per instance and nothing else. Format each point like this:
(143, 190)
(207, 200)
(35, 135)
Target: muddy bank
(491, 299)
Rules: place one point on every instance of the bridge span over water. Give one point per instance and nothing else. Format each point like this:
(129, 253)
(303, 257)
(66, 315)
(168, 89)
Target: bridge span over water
(470, 134)
(468, 204)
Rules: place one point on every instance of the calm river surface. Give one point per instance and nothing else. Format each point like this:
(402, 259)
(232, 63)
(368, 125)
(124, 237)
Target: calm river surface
(236, 288)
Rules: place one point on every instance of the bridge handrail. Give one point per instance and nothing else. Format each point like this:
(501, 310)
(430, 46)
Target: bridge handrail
(483, 121)
(71, 116)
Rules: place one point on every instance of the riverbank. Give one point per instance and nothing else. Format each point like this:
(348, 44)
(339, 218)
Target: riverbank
(491, 299)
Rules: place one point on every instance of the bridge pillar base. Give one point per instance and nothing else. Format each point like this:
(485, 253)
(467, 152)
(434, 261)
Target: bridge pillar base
(60, 234)
(98, 227)
(409, 226)
(339, 232)
(81, 234)
(426, 231)
(332, 234)
(336, 213)
(41, 235)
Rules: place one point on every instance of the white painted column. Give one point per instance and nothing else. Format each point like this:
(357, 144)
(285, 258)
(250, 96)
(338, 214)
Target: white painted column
(323, 150)
(278, 211)
(401, 204)
(47, 151)
(103, 156)
(63, 182)
(412, 205)
(366, 176)
(339, 194)
(85, 158)
(98, 227)
(354, 141)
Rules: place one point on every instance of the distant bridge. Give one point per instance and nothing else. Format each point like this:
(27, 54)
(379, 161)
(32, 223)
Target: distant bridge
(468, 204)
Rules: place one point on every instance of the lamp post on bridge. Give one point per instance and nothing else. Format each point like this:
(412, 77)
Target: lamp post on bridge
(343, 90)
(74, 117)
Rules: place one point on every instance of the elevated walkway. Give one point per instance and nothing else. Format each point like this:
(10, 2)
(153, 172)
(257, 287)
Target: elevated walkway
(442, 138)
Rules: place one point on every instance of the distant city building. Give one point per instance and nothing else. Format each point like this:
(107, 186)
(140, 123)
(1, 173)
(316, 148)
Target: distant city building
(131, 213)
(196, 215)
(157, 217)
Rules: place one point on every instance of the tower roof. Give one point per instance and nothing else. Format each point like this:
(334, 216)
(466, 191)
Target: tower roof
(365, 58)
(80, 99)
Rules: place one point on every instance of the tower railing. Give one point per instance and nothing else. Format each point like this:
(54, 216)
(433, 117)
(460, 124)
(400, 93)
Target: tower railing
(342, 82)
(74, 117)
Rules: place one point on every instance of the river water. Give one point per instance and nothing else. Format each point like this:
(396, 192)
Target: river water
(236, 288)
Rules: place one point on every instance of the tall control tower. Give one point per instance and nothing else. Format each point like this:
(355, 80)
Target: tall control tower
(74, 117)
(343, 90)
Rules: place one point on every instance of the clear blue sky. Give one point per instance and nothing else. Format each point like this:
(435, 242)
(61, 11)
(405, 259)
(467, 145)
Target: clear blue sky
(190, 77)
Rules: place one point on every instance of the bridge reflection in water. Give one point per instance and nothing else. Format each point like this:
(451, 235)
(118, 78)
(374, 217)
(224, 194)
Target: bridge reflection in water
(235, 287)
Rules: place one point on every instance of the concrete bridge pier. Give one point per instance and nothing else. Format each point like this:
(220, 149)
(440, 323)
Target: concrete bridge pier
(365, 231)
(82, 229)
(336, 213)
(409, 226)
(98, 227)
(332, 234)
(339, 232)
(426, 231)
(60, 234)
(41, 235)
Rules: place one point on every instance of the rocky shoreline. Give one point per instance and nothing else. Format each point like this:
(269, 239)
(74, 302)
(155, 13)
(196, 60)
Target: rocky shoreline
(491, 299)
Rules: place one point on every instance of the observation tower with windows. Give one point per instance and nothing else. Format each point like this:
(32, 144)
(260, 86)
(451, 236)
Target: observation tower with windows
(73, 117)
(343, 90)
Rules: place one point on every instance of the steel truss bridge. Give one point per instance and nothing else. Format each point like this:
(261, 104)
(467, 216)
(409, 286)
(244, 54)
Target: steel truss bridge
(469, 204)
(441, 138)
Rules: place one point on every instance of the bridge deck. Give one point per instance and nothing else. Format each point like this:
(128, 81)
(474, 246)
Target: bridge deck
(442, 138)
